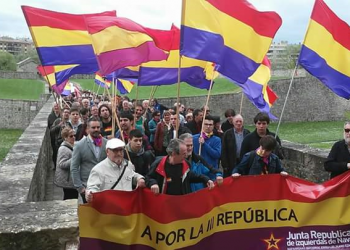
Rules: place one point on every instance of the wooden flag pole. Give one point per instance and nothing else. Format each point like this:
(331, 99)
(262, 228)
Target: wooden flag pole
(178, 98)
(136, 100)
(205, 111)
(285, 101)
(240, 108)
(120, 129)
(113, 106)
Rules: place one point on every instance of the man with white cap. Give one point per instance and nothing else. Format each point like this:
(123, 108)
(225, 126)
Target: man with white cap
(114, 172)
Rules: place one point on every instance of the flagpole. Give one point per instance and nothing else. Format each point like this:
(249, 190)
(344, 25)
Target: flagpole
(136, 100)
(178, 98)
(240, 109)
(113, 105)
(118, 124)
(205, 111)
(285, 101)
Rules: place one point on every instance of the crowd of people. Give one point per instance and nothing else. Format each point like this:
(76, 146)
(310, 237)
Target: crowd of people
(170, 150)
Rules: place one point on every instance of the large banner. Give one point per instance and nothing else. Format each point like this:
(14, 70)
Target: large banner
(250, 212)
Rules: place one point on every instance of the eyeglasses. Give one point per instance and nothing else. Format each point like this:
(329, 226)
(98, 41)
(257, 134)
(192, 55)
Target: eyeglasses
(347, 130)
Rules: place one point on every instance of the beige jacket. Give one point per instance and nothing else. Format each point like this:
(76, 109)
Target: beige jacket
(106, 173)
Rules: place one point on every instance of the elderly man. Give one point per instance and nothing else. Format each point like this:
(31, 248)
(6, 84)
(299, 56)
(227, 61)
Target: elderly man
(231, 145)
(86, 154)
(114, 172)
(198, 164)
(338, 160)
(171, 174)
(55, 113)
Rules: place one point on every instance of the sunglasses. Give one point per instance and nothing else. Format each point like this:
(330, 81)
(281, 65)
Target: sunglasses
(347, 130)
(71, 136)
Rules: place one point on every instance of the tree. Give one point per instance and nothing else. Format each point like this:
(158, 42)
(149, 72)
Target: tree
(7, 62)
(30, 53)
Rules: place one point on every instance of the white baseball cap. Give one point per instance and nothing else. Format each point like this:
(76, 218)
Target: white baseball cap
(115, 143)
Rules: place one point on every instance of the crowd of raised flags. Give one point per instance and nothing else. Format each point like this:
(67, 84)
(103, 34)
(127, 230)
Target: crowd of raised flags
(229, 37)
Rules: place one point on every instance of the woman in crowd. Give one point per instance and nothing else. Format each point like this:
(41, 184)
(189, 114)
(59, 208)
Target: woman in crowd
(62, 176)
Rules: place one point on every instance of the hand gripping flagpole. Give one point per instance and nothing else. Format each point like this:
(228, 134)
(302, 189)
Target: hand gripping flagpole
(205, 109)
(285, 101)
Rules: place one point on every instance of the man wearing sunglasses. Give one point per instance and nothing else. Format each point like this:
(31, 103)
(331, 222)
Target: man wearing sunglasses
(338, 160)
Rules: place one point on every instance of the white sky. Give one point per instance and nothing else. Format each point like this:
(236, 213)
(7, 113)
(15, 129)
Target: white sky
(162, 13)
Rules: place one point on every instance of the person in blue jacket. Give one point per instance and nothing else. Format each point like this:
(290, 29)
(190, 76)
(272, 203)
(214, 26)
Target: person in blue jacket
(209, 143)
(198, 164)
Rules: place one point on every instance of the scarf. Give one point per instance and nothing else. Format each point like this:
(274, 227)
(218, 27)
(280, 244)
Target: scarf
(97, 141)
(265, 160)
(206, 136)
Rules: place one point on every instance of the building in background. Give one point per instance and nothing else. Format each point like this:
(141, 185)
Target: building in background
(16, 46)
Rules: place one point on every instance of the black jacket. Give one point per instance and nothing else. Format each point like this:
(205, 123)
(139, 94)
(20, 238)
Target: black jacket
(182, 130)
(192, 125)
(141, 161)
(226, 125)
(337, 159)
(229, 151)
(251, 142)
(157, 176)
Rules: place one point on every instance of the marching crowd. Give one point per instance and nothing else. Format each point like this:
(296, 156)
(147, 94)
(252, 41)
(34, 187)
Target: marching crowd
(158, 149)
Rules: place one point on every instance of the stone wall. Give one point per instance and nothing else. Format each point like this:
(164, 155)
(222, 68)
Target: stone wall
(27, 221)
(17, 114)
(309, 100)
(18, 75)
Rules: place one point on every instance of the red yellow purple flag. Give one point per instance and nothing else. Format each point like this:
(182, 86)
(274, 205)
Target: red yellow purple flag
(119, 42)
(270, 212)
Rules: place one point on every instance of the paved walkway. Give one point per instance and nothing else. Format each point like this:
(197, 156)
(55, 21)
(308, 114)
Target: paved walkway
(52, 191)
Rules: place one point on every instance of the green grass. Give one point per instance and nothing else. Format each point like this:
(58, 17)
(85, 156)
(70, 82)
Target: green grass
(8, 137)
(21, 89)
(221, 85)
(314, 134)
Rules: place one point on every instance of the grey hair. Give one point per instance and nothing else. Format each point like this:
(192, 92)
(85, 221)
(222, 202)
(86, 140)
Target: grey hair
(185, 136)
(174, 146)
(346, 123)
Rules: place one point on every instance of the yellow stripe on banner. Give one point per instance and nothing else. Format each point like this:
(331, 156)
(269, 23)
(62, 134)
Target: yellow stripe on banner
(140, 229)
(59, 68)
(261, 75)
(173, 62)
(236, 34)
(322, 42)
(126, 84)
(52, 79)
(134, 68)
(115, 38)
(51, 37)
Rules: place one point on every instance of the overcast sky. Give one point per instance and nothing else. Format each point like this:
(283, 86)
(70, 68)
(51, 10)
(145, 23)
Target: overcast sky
(162, 13)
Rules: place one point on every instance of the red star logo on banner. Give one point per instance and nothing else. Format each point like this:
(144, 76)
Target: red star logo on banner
(272, 242)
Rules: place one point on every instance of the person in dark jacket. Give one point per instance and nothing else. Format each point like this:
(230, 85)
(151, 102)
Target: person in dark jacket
(198, 164)
(172, 132)
(196, 124)
(231, 145)
(251, 141)
(338, 160)
(171, 174)
(141, 159)
(226, 125)
(261, 161)
(55, 113)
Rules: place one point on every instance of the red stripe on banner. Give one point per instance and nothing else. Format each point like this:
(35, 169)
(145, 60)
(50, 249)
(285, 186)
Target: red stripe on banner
(272, 95)
(277, 188)
(264, 23)
(59, 20)
(339, 29)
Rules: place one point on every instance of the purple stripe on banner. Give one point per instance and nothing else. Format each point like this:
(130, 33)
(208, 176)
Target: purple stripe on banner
(210, 47)
(80, 69)
(113, 60)
(124, 73)
(95, 244)
(327, 237)
(318, 67)
(194, 76)
(63, 55)
(121, 88)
